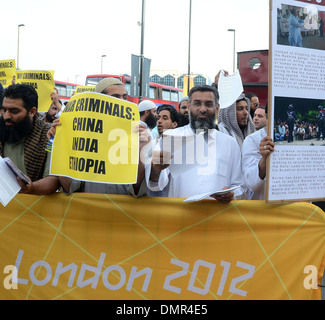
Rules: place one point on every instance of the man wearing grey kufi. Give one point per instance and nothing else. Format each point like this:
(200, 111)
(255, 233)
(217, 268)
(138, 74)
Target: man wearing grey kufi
(236, 121)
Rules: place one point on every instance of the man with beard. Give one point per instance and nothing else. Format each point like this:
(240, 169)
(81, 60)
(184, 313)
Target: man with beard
(54, 109)
(236, 121)
(183, 110)
(147, 110)
(221, 168)
(23, 139)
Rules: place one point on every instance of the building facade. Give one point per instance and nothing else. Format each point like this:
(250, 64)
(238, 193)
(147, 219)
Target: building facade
(175, 78)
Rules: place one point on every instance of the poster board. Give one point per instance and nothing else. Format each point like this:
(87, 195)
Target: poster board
(116, 247)
(97, 140)
(296, 169)
(7, 72)
(81, 89)
(42, 82)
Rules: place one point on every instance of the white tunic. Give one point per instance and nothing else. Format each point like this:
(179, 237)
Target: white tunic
(223, 169)
(251, 157)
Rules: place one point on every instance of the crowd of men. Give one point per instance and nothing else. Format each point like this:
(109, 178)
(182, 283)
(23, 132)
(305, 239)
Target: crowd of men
(234, 140)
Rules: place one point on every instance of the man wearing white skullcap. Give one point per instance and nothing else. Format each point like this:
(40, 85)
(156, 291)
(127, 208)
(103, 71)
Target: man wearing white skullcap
(147, 111)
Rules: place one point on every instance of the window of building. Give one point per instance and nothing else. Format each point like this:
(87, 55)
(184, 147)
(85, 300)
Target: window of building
(254, 63)
(156, 79)
(169, 81)
(199, 81)
(180, 82)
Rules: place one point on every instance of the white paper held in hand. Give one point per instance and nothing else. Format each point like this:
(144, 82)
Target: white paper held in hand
(16, 170)
(9, 185)
(207, 195)
(230, 88)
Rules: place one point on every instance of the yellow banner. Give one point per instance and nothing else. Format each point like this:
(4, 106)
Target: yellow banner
(97, 140)
(43, 82)
(7, 72)
(81, 89)
(114, 247)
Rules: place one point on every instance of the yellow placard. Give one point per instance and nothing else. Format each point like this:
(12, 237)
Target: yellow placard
(97, 140)
(43, 82)
(7, 72)
(114, 247)
(81, 89)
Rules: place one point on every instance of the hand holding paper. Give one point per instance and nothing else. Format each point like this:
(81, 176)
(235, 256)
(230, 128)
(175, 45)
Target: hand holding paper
(216, 195)
(9, 185)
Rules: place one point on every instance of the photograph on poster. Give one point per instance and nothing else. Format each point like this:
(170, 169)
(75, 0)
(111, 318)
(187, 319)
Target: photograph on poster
(301, 27)
(299, 121)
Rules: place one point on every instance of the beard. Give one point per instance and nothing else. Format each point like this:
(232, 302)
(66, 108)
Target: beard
(16, 132)
(242, 127)
(49, 118)
(183, 120)
(151, 121)
(202, 123)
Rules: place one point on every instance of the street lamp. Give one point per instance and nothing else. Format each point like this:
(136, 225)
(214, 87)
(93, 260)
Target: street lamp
(20, 25)
(234, 59)
(189, 49)
(142, 48)
(101, 64)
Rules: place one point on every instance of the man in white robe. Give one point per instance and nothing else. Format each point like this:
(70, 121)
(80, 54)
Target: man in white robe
(256, 149)
(222, 168)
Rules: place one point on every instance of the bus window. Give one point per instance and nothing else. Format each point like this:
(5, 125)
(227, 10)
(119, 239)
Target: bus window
(180, 95)
(69, 90)
(152, 93)
(174, 96)
(62, 90)
(92, 81)
(128, 87)
(166, 94)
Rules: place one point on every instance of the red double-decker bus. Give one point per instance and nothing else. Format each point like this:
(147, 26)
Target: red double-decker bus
(158, 93)
(65, 89)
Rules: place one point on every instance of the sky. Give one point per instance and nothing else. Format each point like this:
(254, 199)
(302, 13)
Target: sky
(70, 36)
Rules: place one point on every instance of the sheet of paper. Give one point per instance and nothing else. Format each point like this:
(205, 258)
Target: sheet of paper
(230, 87)
(16, 171)
(207, 195)
(9, 185)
